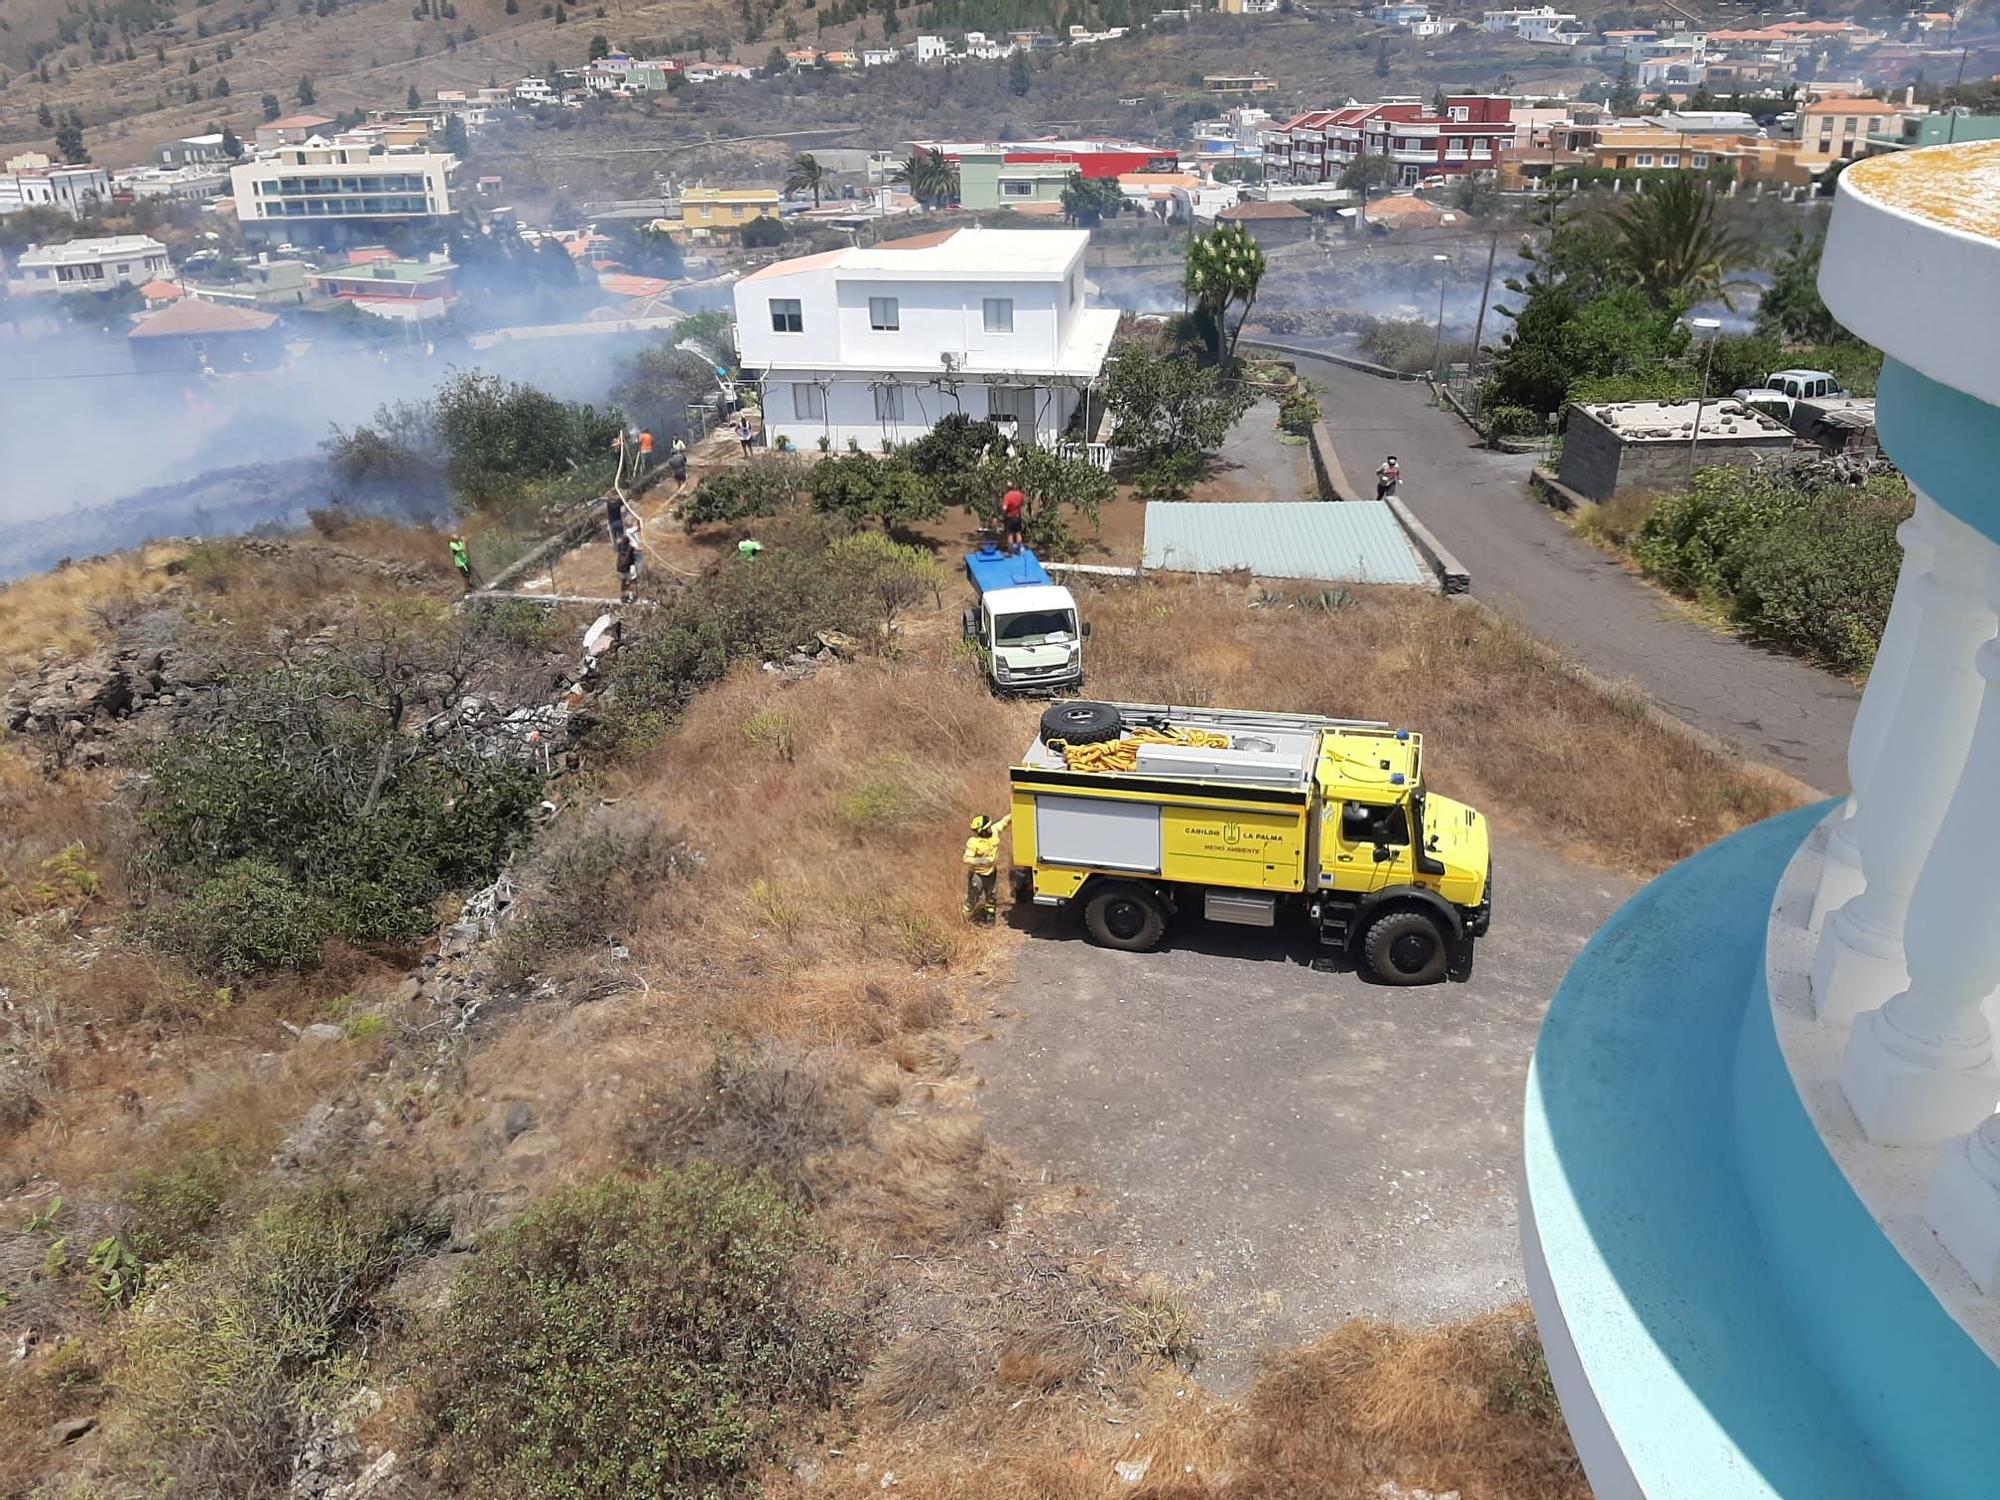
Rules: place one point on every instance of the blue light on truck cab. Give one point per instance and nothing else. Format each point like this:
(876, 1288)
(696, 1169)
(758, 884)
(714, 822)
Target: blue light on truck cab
(991, 569)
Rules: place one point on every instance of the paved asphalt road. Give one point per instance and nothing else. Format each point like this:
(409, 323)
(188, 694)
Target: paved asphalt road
(1294, 1146)
(1522, 560)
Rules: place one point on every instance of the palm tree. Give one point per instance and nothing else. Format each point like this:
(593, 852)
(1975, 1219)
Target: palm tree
(1223, 267)
(930, 177)
(807, 176)
(1672, 244)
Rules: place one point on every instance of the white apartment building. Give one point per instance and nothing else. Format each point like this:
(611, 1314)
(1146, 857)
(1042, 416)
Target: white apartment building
(929, 49)
(536, 91)
(879, 57)
(89, 265)
(867, 345)
(1537, 24)
(1555, 28)
(318, 191)
(33, 181)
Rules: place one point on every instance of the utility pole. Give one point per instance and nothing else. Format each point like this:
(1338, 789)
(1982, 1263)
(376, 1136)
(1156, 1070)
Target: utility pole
(1443, 263)
(1712, 327)
(1479, 327)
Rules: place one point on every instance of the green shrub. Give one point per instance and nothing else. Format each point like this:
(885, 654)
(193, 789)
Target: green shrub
(1798, 559)
(1297, 413)
(637, 1337)
(860, 488)
(1512, 421)
(306, 807)
(248, 918)
(166, 1212)
(767, 484)
(229, 1361)
(590, 884)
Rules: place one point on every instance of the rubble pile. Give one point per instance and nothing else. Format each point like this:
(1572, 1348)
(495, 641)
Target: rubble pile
(80, 702)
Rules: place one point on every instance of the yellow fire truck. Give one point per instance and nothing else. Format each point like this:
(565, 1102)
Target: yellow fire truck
(1144, 814)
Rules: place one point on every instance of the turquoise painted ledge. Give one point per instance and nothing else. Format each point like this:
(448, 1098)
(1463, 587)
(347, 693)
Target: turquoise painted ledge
(1946, 442)
(1745, 1327)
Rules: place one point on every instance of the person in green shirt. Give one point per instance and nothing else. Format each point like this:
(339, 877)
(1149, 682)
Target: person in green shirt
(462, 561)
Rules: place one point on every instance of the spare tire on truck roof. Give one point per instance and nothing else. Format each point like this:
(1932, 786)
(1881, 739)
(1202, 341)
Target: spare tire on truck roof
(1081, 723)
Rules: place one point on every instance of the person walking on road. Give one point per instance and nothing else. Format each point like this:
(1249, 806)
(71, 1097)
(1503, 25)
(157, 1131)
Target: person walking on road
(1011, 515)
(1388, 477)
(982, 860)
(743, 432)
(462, 560)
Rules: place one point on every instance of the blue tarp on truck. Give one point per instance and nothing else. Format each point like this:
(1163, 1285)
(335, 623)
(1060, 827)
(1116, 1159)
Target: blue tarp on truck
(991, 568)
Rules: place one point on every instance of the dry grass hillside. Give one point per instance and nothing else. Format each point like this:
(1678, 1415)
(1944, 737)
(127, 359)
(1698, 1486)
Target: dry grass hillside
(727, 1007)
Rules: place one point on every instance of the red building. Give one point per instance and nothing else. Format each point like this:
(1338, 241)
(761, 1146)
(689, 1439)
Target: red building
(1090, 158)
(1467, 137)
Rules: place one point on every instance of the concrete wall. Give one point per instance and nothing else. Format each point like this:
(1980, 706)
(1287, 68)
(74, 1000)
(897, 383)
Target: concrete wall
(1598, 463)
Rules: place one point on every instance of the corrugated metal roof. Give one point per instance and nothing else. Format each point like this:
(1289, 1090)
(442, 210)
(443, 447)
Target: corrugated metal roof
(1355, 541)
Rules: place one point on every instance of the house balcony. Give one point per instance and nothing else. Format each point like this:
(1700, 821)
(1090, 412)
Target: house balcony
(1761, 1216)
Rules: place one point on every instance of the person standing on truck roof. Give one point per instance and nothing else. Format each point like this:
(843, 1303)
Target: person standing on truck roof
(982, 860)
(1011, 509)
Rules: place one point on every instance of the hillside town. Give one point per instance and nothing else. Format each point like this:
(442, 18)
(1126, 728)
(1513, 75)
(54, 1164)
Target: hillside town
(1238, 750)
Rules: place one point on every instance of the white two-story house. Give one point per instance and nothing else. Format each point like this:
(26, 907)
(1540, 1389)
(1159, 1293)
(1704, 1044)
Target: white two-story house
(873, 344)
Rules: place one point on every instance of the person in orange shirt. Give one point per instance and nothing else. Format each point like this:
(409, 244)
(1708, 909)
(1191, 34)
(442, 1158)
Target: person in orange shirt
(1011, 508)
(645, 450)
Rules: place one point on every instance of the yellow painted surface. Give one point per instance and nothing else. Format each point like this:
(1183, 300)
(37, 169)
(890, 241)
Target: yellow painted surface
(1248, 849)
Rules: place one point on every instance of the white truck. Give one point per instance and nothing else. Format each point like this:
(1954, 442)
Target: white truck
(1025, 625)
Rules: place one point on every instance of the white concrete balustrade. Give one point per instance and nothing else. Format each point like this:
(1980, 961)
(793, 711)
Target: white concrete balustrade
(1921, 1067)
(1840, 877)
(1908, 777)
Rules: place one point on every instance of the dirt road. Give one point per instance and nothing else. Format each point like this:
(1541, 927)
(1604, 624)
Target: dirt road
(1522, 560)
(1294, 1146)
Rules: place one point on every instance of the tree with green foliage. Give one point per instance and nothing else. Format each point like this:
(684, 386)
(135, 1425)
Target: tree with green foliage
(1019, 78)
(1088, 201)
(600, 46)
(1792, 308)
(309, 806)
(456, 140)
(894, 575)
(1673, 244)
(762, 233)
(271, 106)
(1364, 173)
(888, 491)
(44, 117)
(221, 89)
(1382, 59)
(806, 176)
(1170, 411)
(1060, 490)
(1224, 269)
(1624, 98)
(69, 143)
(305, 94)
(931, 177)
(232, 144)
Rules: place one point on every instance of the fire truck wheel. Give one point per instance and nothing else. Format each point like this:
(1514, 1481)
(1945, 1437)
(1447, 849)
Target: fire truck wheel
(1127, 917)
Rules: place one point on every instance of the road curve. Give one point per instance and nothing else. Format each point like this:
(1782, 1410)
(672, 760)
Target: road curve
(1523, 561)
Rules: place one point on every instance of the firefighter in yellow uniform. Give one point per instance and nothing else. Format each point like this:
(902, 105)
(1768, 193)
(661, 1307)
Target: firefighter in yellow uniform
(982, 858)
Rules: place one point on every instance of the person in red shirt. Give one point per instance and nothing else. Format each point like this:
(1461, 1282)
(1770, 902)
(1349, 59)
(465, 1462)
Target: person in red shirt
(1010, 511)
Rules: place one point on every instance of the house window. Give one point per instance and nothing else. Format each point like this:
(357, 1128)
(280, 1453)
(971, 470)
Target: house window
(999, 314)
(1643, 159)
(1699, 160)
(1671, 159)
(888, 403)
(883, 314)
(787, 316)
(1017, 190)
(808, 402)
(1461, 113)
